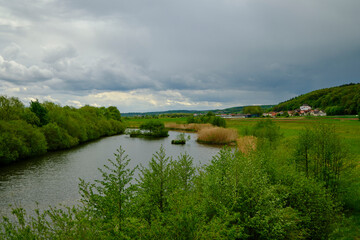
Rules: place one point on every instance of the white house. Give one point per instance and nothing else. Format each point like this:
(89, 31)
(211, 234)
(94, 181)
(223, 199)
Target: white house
(305, 107)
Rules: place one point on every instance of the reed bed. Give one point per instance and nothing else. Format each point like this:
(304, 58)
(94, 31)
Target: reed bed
(217, 135)
(246, 144)
(195, 127)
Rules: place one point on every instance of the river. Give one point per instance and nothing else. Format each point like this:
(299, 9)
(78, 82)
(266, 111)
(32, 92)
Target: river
(53, 179)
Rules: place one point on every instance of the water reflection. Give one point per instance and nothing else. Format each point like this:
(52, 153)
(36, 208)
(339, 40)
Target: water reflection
(54, 178)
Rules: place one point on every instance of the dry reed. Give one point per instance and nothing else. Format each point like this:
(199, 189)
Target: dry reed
(246, 144)
(217, 135)
(187, 127)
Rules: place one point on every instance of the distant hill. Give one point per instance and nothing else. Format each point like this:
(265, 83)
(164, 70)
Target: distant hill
(344, 99)
(217, 111)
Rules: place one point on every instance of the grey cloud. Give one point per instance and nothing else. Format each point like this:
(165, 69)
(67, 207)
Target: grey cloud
(12, 51)
(57, 53)
(15, 72)
(226, 52)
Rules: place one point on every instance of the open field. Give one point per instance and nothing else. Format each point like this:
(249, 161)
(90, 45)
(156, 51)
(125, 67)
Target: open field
(348, 128)
(136, 122)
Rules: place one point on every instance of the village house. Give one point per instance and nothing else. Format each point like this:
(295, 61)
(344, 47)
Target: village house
(305, 107)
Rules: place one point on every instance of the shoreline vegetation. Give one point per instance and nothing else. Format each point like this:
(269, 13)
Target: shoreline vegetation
(43, 127)
(150, 129)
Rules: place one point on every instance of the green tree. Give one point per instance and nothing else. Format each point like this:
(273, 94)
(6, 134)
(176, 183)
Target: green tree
(10, 108)
(30, 117)
(155, 185)
(253, 110)
(40, 112)
(113, 113)
(321, 154)
(303, 149)
(156, 128)
(19, 140)
(58, 138)
(110, 198)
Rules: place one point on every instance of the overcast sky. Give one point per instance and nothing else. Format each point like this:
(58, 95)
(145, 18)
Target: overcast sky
(154, 55)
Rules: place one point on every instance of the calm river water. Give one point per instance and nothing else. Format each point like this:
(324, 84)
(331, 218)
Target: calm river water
(53, 179)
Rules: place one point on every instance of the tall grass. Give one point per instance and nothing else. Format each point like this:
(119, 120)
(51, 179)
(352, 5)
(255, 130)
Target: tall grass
(246, 144)
(188, 127)
(217, 135)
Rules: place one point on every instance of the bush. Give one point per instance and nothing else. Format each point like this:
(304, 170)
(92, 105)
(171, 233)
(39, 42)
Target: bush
(155, 128)
(19, 140)
(208, 118)
(57, 137)
(266, 130)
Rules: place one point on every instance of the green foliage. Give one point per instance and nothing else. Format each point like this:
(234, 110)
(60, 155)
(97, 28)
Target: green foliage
(155, 186)
(234, 197)
(321, 154)
(109, 199)
(339, 100)
(113, 113)
(152, 125)
(19, 139)
(335, 110)
(10, 108)
(49, 126)
(40, 111)
(57, 137)
(208, 118)
(265, 130)
(181, 138)
(153, 128)
(30, 117)
(253, 110)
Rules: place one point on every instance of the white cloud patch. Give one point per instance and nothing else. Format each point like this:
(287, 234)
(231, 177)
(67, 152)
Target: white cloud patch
(15, 72)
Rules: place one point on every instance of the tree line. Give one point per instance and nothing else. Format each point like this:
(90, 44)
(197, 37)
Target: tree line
(30, 131)
(295, 192)
(210, 117)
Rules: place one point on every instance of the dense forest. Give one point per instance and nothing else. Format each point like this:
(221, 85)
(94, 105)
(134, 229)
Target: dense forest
(273, 192)
(41, 127)
(341, 100)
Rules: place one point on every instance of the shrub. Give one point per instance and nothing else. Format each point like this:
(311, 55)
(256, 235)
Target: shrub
(208, 118)
(266, 130)
(57, 137)
(155, 128)
(19, 140)
(180, 139)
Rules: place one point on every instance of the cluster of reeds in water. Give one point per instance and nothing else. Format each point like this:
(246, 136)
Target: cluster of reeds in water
(217, 135)
(207, 133)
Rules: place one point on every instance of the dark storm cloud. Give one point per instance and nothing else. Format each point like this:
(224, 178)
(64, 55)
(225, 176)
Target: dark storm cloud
(227, 52)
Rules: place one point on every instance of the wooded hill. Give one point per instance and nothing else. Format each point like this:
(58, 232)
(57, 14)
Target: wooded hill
(341, 100)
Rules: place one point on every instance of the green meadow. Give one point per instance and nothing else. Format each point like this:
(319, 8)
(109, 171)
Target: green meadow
(347, 127)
